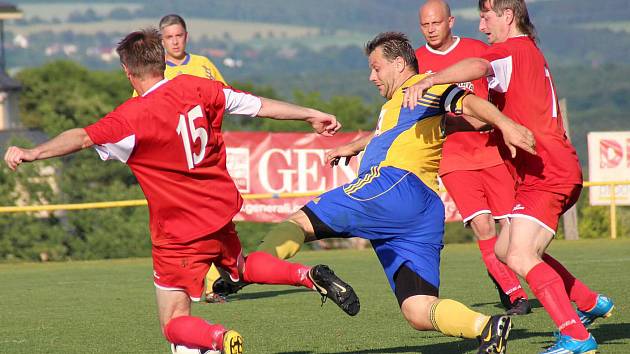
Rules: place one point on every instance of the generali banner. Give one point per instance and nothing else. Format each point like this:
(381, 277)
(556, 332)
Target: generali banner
(263, 163)
(609, 160)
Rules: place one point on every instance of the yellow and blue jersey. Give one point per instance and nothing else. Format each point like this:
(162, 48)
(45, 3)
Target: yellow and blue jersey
(411, 140)
(195, 65)
(393, 201)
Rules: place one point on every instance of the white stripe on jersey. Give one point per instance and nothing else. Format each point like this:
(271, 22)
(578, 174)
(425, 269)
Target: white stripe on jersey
(241, 102)
(118, 151)
(500, 80)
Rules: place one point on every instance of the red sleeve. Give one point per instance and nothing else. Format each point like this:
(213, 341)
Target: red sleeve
(110, 129)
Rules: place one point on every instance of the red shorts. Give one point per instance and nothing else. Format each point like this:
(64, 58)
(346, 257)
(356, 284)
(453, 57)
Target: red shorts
(486, 191)
(184, 266)
(545, 205)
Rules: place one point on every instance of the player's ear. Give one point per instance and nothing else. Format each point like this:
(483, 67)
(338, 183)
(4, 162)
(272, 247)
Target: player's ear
(400, 64)
(509, 16)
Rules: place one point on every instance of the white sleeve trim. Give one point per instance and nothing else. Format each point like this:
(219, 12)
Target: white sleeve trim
(117, 151)
(500, 80)
(241, 102)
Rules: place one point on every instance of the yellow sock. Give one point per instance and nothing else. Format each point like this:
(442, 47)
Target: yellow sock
(283, 240)
(455, 319)
(211, 277)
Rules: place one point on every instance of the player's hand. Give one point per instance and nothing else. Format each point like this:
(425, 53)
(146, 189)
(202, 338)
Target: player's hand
(15, 156)
(414, 92)
(324, 123)
(517, 136)
(334, 156)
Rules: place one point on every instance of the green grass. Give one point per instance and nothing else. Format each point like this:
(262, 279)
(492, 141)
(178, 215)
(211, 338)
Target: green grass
(108, 306)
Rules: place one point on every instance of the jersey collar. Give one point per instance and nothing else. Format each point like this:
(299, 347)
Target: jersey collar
(186, 60)
(154, 87)
(439, 52)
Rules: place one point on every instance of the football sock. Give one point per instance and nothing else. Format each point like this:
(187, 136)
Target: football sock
(211, 277)
(578, 292)
(263, 268)
(283, 240)
(548, 287)
(504, 276)
(455, 319)
(194, 332)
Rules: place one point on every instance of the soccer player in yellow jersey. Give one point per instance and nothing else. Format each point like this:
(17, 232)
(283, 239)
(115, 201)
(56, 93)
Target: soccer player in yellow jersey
(393, 201)
(174, 39)
(178, 61)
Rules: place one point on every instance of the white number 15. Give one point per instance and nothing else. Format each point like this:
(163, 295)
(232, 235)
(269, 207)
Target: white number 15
(195, 133)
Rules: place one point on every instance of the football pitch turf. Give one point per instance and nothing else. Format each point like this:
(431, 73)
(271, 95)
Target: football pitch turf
(109, 306)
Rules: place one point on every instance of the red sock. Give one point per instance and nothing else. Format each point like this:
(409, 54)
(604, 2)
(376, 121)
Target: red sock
(263, 268)
(194, 332)
(579, 293)
(506, 278)
(549, 289)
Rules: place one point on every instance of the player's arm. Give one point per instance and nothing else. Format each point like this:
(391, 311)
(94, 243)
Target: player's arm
(63, 144)
(348, 150)
(323, 123)
(514, 135)
(463, 71)
(463, 123)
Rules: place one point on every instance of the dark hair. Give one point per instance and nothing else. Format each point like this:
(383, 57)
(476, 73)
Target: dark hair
(142, 53)
(170, 20)
(521, 16)
(394, 45)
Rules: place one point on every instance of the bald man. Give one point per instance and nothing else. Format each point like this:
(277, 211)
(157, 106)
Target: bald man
(472, 169)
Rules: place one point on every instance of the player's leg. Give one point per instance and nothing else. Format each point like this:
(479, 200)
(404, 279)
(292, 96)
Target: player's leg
(178, 277)
(499, 190)
(263, 268)
(528, 241)
(283, 241)
(424, 311)
(589, 303)
(181, 329)
(477, 204)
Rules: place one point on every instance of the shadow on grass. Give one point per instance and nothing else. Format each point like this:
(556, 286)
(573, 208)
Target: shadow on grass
(264, 294)
(533, 302)
(439, 348)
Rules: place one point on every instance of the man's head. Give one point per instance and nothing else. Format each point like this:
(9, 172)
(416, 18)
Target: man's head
(141, 54)
(502, 19)
(174, 36)
(392, 61)
(436, 24)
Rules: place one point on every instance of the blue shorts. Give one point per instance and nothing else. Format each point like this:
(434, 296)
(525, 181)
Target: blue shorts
(396, 211)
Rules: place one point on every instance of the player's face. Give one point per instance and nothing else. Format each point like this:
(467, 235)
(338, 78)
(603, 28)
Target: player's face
(494, 26)
(436, 26)
(383, 73)
(174, 41)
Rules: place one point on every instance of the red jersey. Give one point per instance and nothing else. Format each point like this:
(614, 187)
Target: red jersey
(171, 139)
(463, 150)
(523, 89)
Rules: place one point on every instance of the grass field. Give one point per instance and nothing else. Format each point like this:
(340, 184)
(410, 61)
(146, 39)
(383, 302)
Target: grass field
(108, 307)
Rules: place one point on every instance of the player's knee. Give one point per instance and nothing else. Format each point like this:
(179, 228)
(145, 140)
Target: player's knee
(416, 310)
(418, 319)
(519, 263)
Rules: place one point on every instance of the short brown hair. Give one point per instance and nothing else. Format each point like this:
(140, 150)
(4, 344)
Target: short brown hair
(394, 45)
(170, 20)
(521, 15)
(142, 53)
